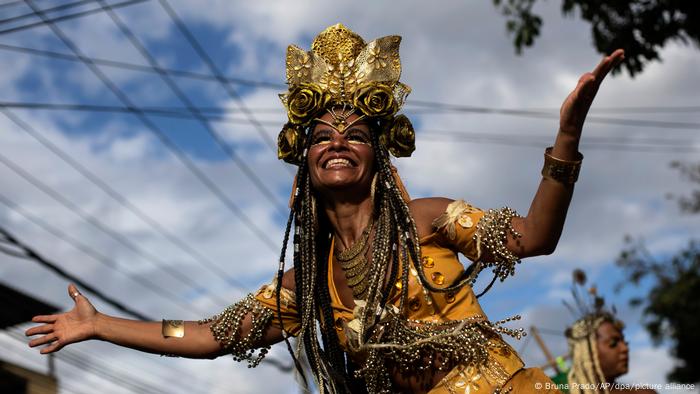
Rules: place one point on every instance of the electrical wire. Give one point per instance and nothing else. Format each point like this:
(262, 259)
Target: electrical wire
(95, 222)
(194, 43)
(547, 113)
(137, 67)
(240, 163)
(52, 9)
(30, 254)
(67, 17)
(97, 256)
(634, 144)
(130, 382)
(211, 185)
(122, 200)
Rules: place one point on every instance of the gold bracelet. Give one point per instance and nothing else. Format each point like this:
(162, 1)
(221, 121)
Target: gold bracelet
(562, 171)
(173, 328)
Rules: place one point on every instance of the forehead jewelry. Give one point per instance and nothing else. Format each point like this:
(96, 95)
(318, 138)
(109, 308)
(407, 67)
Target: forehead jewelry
(340, 118)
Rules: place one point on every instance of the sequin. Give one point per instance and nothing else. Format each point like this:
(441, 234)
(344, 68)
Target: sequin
(428, 262)
(438, 278)
(465, 221)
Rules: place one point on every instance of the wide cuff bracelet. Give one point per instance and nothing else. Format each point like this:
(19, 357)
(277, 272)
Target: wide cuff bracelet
(562, 171)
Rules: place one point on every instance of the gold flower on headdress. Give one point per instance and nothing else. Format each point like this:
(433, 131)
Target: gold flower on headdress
(375, 99)
(400, 139)
(304, 102)
(289, 143)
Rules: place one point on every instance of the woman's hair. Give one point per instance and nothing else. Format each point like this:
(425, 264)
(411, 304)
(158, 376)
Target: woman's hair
(395, 239)
(583, 345)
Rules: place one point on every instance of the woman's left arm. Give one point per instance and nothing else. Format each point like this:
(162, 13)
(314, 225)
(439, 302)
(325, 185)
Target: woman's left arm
(541, 228)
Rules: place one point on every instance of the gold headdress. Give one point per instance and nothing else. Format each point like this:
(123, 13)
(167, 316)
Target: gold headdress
(342, 71)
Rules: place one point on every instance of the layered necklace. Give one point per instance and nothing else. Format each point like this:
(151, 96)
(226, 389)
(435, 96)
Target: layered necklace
(354, 262)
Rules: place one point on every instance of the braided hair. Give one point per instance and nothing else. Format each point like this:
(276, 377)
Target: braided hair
(394, 242)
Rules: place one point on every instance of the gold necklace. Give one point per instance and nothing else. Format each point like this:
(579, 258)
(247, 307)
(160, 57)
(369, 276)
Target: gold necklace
(353, 261)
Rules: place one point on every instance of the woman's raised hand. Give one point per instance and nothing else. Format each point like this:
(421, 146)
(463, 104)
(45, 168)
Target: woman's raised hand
(60, 330)
(573, 111)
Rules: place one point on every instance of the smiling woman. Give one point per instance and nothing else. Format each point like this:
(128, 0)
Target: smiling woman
(376, 294)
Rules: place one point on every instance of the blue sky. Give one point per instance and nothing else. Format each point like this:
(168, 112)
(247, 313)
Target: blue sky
(456, 53)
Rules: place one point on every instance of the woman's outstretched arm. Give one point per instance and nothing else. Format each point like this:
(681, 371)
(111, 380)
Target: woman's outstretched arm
(542, 226)
(84, 322)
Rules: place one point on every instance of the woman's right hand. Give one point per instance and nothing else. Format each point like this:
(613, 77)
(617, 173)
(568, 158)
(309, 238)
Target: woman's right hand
(60, 330)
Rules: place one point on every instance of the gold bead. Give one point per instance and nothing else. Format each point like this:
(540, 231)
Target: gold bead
(428, 262)
(438, 278)
(450, 297)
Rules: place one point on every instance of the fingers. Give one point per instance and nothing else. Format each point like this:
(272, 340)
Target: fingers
(55, 346)
(73, 291)
(44, 329)
(44, 319)
(608, 63)
(42, 340)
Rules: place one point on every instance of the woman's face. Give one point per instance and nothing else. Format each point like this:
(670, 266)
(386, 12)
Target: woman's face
(613, 353)
(341, 161)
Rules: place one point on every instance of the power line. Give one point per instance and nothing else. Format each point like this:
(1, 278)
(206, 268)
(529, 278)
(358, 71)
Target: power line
(194, 43)
(130, 383)
(11, 3)
(66, 17)
(547, 113)
(30, 254)
(115, 367)
(143, 281)
(247, 171)
(521, 141)
(137, 67)
(161, 136)
(52, 9)
(116, 196)
(46, 387)
(638, 144)
(120, 238)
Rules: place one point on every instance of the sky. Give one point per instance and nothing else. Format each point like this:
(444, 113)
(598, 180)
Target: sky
(177, 217)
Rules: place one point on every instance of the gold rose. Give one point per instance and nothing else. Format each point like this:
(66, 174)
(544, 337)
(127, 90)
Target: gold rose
(305, 101)
(289, 143)
(375, 99)
(401, 138)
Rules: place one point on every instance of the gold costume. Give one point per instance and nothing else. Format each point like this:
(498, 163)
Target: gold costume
(501, 369)
(427, 319)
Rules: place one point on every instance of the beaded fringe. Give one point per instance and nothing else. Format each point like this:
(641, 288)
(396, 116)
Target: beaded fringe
(226, 327)
(413, 346)
(491, 233)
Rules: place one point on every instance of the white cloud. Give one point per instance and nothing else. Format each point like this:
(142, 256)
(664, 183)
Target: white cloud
(455, 53)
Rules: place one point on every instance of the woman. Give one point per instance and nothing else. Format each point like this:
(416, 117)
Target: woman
(375, 274)
(599, 352)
